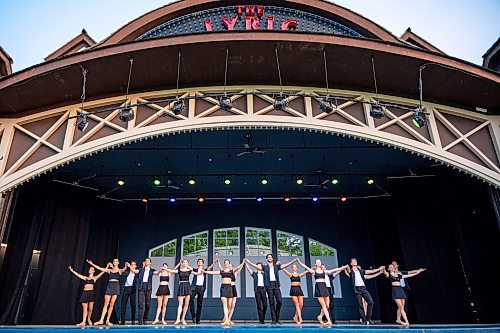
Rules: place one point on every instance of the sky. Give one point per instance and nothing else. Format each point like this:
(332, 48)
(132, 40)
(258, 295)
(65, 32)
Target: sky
(31, 30)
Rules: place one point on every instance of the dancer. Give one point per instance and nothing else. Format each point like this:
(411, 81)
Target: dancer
(163, 292)
(331, 290)
(404, 284)
(358, 278)
(87, 298)
(198, 287)
(259, 290)
(233, 287)
(320, 291)
(226, 290)
(112, 290)
(145, 289)
(129, 292)
(184, 290)
(398, 294)
(272, 284)
(296, 291)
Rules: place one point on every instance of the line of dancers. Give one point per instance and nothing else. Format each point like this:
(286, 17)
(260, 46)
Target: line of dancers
(266, 282)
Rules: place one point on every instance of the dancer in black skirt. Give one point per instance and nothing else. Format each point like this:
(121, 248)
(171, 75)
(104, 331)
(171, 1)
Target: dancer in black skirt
(113, 288)
(226, 290)
(184, 290)
(398, 294)
(236, 271)
(296, 291)
(87, 298)
(163, 292)
(320, 290)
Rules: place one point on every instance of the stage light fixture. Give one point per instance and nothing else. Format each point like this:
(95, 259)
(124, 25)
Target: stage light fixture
(126, 114)
(343, 198)
(145, 199)
(191, 181)
(157, 181)
(227, 181)
(287, 198)
(259, 199)
(325, 105)
(178, 107)
(370, 181)
(418, 119)
(334, 181)
(376, 111)
(120, 182)
(172, 200)
(315, 199)
(81, 122)
(299, 180)
(201, 199)
(225, 103)
(229, 199)
(264, 181)
(280, 102)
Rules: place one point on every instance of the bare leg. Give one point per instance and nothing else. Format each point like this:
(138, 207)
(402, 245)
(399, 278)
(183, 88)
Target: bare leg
(180, 299)
(401, 307)
(158, 309)
(186, 307)
(89, 313)
(301, 305)
(225, 320)
(107, 299)
(324, 309)
(231, 310)
(110, 310)
(164, 310)
(297, 309)
(84, 308)
(398, 316)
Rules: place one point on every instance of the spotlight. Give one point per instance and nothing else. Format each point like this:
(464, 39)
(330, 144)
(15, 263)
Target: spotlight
(191, 181)
(287, 198)
(259, 199)
(325, 105)
(227, 181)
(82, 123)
(335, 181)
(280, 103)
(343, 198)
(376, 111)
(370, 181)
(315, 199)
(418, 119)
(299, 180)
(264, 181)
(126, 114)
(178, 107)
(201, 199)
(229, 199)
(157, 181)
(172, 200)
(225, 103)
(120, 182)
(144, 199)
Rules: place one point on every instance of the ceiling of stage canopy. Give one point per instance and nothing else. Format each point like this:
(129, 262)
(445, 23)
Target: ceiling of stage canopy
(211, 157)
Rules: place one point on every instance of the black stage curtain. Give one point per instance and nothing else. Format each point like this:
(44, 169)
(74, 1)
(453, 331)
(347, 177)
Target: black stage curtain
(73, 225)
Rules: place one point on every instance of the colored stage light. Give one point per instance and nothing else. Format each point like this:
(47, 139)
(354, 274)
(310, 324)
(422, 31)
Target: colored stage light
(145, 199)
(227, 181)
(376, 111)
(287, 198)
(191, 181)
(126, 114)
(418, 120)
(259, 199)
(343, 198)
(229, 199)
(299, 180)
(157, 181)
(82, 123)
(326, 106)
(264, 181)
(178, 107)
(370, 181)
(201, 199)
(120, 182)
(315, 199)
(172, 200)
(335, 181)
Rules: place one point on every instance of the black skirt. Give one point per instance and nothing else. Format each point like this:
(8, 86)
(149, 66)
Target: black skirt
(87, 296)
(184, 289)
(320, 290)
(235, 292)
(163, 290)
(226, 290)
(398, 292)
(113, 288)
(296, 291)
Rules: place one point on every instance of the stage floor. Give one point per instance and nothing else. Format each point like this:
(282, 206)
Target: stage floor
(267, 328)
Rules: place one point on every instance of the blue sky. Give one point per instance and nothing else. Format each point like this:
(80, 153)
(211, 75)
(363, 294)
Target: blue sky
(31, 30)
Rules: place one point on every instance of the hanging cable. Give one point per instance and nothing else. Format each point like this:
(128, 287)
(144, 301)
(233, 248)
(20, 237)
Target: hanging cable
(374, 78)
(131, 60)
(326, 74)
(178, 71)
(225, 102)
(279, 70)
(84, 85)
(225, 69)
(127, 113)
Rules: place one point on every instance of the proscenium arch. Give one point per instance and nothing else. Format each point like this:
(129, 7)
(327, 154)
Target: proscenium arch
(249, 112)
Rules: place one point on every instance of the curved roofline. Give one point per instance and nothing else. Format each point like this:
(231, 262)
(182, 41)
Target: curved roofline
(154, 18)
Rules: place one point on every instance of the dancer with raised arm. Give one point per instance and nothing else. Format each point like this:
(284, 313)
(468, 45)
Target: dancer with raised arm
(112, 290)
(198, 287)
(87, 299)
(184, 290)
(405, 285)
(259, 290)
(331, 290)
(296, 291)
(398, 294)
(272, 284)
(163, 292)
(226, 289)
(145, 289)
(129, 292)
(320, 290)
(236, 272)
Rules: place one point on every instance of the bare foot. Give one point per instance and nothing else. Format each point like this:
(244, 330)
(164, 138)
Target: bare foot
(328, 323)
(97, 323)
(108, 323)
(231, 323)
(183, 322)
(399, 322)
(82, 324)
(177, 322)
(90, 323)
(164, 322)
(155, 322)
(320, 320)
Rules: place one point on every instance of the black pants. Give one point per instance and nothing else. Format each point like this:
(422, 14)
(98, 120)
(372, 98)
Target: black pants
(331, 308)
(260, 298)
(128, 292)
(144, 304)
(275, 301)
(197, 292)
(361, 293)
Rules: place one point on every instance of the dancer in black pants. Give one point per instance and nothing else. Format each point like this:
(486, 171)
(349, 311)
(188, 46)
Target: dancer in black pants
(357, 276)
(259, 289)
(129, 292)
(272, 284)
(145, 281)
(198, 287)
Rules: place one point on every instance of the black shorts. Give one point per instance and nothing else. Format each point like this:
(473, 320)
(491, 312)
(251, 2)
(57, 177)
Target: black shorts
(113, 288)
(226, 290)
(398, 292)
(184, 289)
(87, 296)
(320, 290)
(163, 290)
(296, 291)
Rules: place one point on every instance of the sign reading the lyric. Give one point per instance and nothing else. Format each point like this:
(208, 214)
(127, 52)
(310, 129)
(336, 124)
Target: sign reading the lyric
(248, 18)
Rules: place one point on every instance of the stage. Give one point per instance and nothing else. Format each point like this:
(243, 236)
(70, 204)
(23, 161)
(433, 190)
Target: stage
(248, 328)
